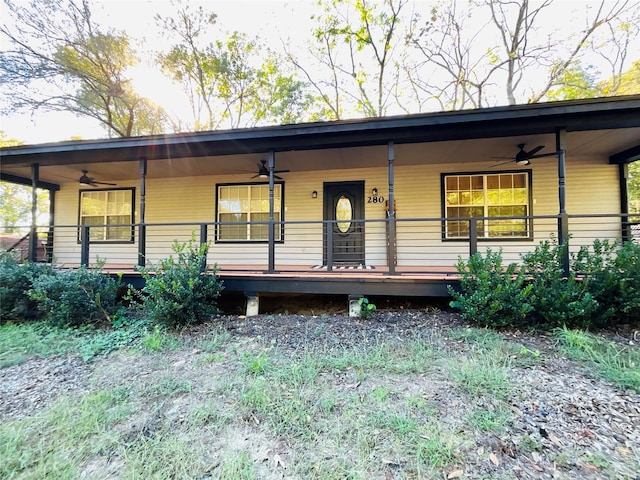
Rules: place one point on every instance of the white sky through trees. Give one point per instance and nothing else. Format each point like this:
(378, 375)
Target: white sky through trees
(273, 21)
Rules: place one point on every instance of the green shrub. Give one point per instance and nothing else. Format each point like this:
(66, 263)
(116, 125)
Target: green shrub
(558, 300)
(595, 267)
(182, 290)
(15, 281)
(491, 296)
(366, 307)
(627, 266)
(76, 297)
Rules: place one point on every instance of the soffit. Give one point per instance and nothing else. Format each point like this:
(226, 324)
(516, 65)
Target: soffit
(599, 144)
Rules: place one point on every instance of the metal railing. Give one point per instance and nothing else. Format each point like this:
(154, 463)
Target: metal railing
(421, 245)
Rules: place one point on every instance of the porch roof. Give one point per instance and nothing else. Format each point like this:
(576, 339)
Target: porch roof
(518, 120)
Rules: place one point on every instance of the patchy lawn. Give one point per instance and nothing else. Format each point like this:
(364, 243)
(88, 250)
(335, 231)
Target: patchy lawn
(405, 394)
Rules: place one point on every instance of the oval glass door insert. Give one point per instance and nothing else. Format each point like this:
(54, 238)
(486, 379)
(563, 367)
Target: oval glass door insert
(344, 214)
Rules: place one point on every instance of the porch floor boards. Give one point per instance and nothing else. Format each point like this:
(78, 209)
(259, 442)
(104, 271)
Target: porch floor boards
(417, 272)
(424, 281)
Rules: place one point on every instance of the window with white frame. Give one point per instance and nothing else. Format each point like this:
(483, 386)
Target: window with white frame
(240, 206)
(490, 195)
(111, 211)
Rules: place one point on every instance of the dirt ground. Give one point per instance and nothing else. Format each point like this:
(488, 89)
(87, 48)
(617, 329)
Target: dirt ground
(582, 426)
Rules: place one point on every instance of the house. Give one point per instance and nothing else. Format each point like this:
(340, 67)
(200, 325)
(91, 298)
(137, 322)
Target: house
(17, 246)
(381, 206)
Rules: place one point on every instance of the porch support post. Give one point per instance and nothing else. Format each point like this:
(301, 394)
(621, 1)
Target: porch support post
(391, 215)
(272, 226)
(51, 232)
(473, 236)
(203, 241)
(84, 245)
(623, 176)
(142, 228)
(563, 220)
(33, 235)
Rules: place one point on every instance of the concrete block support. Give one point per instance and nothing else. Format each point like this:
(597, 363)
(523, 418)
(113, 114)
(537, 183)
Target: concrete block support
(253, 304)
(354, 305)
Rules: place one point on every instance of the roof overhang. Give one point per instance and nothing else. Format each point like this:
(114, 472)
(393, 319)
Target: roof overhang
(626, 156)
(520, 120)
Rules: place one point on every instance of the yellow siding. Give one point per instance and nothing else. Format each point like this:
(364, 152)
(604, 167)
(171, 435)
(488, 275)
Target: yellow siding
(592, 187)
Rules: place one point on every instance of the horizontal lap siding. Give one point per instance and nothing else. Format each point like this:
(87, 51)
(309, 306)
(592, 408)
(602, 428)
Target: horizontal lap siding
(592, 187)
(66, 247)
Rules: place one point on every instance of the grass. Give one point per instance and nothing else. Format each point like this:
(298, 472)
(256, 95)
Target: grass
(435, 449)
(237, 466)
(170, 386)
(485, 420)
(22, 341)
(495, 344)
(619, 364)
(56, 443)
(165, 455)
(482, 374)
(395, 408)
(19, 342)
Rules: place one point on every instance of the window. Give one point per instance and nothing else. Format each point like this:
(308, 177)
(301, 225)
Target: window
(104, 208)
(487, 195)
(240, 206)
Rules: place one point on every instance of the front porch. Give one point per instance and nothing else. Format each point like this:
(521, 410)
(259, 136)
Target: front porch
(418, 261)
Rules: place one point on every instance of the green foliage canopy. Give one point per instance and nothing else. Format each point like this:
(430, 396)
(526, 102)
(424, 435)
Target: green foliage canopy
(58, 58)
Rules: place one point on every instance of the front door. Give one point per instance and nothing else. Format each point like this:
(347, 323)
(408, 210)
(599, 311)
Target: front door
(344, 203)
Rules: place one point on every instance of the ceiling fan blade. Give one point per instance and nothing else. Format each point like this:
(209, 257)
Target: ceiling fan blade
(277, 177)
(502, 163)
(87, 180)
(533, 151)
(281, 171)
(542, 155)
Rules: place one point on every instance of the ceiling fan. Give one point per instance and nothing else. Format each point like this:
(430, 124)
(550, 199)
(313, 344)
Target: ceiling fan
(263, 171)
(86, 180)
(523, 157)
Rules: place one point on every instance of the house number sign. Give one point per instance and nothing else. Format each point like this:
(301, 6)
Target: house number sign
(375, 199)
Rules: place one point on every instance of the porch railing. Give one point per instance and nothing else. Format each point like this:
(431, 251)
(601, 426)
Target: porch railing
(420, 246)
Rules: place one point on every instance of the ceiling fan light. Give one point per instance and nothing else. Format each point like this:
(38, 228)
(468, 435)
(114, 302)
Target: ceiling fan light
(523, 162)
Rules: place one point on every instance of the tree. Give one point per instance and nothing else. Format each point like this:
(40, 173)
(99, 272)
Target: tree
(450, 71)
(189, 63)
(60, 59)
(235, 81)
(628, 83)
(509, 53)
(15, 200)
(578, 83)
(356, 49)
(633, 186)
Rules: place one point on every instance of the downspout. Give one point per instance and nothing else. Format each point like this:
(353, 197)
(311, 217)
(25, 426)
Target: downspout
(391, 215)
(563, 219)
(623, 176)
(142, 229)
(33, 236)
(272, 226)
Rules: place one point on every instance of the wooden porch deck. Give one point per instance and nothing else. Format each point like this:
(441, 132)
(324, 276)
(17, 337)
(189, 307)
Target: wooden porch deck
(406, 281)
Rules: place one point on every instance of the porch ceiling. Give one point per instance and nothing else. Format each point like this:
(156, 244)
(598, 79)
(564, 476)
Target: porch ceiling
(596, 144)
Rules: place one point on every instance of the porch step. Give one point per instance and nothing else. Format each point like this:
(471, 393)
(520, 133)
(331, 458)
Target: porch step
(345, 267)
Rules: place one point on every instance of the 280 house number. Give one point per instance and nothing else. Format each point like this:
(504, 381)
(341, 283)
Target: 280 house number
(375, 199)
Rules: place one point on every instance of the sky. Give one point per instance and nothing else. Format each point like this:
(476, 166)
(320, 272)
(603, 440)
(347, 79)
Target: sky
(271, 20)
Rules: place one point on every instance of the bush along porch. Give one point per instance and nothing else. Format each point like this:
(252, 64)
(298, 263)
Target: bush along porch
(603, 286)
